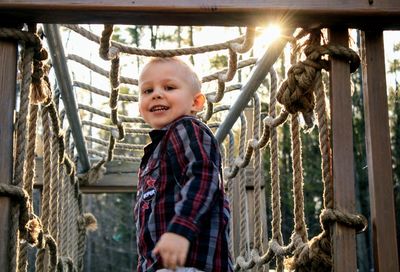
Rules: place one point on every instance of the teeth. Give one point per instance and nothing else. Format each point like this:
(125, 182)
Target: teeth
(158, 108)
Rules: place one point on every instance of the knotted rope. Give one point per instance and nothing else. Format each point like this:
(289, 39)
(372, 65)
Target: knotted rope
(295, 92)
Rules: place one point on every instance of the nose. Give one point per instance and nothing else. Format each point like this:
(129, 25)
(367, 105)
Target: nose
(157, 93)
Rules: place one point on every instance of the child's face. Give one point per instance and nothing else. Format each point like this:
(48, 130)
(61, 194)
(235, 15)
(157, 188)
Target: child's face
(166, 94)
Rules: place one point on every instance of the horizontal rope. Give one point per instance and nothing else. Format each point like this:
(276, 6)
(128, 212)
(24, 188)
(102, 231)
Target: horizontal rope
(154, 52)
(100, 70)
(122, 118)
(115, 157)
(90, 88)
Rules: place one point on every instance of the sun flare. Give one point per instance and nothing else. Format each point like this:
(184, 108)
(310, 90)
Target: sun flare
(269, 34)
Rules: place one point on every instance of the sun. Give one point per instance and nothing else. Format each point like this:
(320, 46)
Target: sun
(268, 35)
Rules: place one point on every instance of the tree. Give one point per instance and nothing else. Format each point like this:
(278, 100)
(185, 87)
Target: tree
(394, 115)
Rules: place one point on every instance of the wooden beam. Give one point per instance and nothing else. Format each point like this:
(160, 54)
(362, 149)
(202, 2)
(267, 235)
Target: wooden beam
(306, 13)
(120, 177)
(8, 72)
(379, 153)
(343, 239)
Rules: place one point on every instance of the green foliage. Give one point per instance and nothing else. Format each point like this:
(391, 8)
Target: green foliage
(112, 247)
(219, 61)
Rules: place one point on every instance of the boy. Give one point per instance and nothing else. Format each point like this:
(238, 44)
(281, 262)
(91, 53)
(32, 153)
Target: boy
(181, 212)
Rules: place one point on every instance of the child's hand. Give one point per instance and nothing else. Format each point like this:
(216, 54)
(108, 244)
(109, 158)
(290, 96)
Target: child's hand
(173, 250)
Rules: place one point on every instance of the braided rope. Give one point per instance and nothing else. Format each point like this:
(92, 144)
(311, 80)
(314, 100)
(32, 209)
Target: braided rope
(121, 97)
(107, 115)
(275, 188)
(324, 143)
(140, 131)
(29, 175)
(229, 184)
(99, 70)
(299, 220)
(115, 157)
(26, 71)
(125, 146)
(159, 53)
(258, 235)
(243, 222)
(39, 89)
(54, 211)
(47, 183)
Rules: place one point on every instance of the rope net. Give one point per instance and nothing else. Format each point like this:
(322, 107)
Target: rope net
(59, 231)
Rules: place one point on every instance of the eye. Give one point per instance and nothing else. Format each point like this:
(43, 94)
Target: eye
(147, 91)
(169, 87)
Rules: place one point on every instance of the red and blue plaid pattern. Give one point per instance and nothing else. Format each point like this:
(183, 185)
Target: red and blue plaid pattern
(180, 190)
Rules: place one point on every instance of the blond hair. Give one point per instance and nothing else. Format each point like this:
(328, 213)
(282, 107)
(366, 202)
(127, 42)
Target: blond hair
(194, 79)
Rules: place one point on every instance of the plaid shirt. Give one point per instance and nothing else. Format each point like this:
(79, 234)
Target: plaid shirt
(180, 190)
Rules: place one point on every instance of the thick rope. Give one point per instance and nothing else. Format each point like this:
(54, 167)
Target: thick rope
(100, 70)
(258, 230)
(107, 115)
(39, 89)
(140, 131)
(296, 93)
(275, 188)
(159, 53)
(121, 97)
(299, 220)
(26, 71)
(47, 184)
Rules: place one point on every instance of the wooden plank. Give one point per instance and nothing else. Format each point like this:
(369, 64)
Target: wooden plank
(379, 154)
(343, 239)
(120, 177)
(8, 60)
(308, 13)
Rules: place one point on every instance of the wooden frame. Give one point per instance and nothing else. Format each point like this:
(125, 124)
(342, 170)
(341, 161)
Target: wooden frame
(344, 241)
(383, 220)
(8, 69)
(372, 15)
(350, 13)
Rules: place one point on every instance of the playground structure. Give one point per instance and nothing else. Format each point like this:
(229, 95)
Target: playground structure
(372, 18)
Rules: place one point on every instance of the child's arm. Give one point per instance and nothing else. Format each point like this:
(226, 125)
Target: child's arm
(173, 250)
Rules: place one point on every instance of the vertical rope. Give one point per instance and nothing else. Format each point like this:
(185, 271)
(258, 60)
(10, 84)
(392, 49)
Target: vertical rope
(258, 235)
(324, 143)
(26, 71)
(47, 186)
(275, 188)
(230, 162)
(242, 192)
(29, 174)
(53, 224)
(299, 221)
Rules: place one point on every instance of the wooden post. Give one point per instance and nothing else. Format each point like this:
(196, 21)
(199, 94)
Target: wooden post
(343, 238)
(8, 57)
(379, 153)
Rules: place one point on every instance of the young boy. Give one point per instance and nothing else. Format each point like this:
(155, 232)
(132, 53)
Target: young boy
(181, 212)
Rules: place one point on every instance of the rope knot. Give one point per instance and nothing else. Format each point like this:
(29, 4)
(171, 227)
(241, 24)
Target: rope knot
(312, 256)
(87, 222)
(296, 93)
(356, 221)
(40, 89)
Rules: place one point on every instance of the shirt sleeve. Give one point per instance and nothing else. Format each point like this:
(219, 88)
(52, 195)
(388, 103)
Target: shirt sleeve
(196, 151)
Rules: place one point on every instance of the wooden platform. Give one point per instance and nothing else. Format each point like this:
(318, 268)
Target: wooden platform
(120, 177)
(304, 13)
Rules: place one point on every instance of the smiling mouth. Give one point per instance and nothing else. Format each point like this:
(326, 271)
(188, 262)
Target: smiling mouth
(158, 108)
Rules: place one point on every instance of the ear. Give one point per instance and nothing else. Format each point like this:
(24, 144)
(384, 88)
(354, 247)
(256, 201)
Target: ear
(198, 102)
